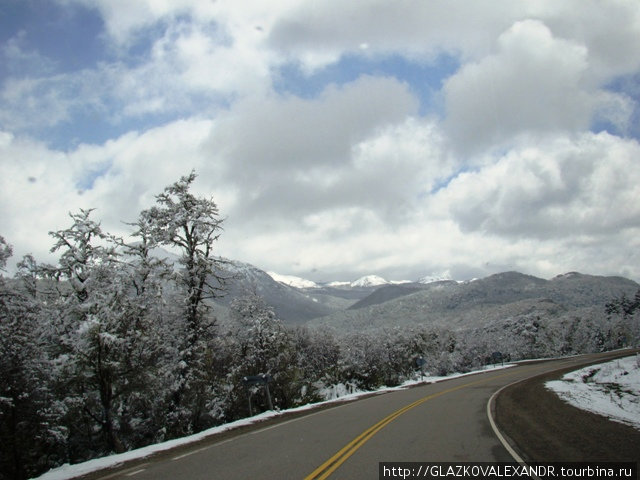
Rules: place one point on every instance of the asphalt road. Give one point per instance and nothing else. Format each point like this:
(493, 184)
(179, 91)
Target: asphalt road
(445, 421)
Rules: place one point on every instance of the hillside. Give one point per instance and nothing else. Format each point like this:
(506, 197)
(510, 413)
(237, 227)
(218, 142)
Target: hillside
(482, 302)
(292, 305)
(387, 293)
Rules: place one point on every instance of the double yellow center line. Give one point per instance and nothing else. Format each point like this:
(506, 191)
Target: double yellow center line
(328, 467)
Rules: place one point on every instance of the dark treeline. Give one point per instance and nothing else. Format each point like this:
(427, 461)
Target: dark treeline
(113, 349)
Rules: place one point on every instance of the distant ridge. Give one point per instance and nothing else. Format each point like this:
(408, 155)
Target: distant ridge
(391, 292)
(372, 302)
(480, 302)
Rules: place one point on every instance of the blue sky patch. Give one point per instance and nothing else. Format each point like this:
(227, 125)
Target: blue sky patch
(424, 79)
(45, 29)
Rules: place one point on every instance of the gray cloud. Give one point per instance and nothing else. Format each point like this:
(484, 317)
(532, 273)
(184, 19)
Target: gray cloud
(292, 155)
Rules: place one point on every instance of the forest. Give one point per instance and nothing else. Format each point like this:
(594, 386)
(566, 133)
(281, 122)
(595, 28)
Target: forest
(112, 348)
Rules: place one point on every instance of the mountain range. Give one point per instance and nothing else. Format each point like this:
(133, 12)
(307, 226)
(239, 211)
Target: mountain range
(482, 302)
(372, 302)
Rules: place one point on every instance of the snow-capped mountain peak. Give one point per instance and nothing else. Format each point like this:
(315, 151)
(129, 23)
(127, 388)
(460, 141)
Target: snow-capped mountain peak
(435, 278)
(293, 281)
(369, 281)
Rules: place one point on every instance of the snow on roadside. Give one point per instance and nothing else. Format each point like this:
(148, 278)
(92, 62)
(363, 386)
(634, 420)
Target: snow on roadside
(610, 389)
(67, 471)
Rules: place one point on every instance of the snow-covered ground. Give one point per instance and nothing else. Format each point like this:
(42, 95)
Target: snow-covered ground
(610, 389)
(340, 393)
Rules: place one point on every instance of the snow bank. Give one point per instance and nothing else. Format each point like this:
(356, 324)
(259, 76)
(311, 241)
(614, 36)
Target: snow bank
(610, 389)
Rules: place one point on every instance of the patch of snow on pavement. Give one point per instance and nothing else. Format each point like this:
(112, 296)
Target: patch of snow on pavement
(610, 389)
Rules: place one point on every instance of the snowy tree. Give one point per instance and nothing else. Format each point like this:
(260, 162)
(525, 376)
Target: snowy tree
(152, 348)
(29, 273)
(363, 360)
(258, 332)
(623, 305)
(190, 224)
(262, 346)
(103, 342)
(76, 331)
(28, 431)
(5, 252)
(148, 272)
(318, 356)
(623, 315)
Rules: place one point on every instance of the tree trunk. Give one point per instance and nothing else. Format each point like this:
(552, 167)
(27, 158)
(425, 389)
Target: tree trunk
(113, 441)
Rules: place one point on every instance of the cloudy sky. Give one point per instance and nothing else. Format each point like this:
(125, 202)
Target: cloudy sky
(398, 138)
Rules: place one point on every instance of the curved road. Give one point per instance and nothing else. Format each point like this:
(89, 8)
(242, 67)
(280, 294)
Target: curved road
(541, 427)
(444, 421)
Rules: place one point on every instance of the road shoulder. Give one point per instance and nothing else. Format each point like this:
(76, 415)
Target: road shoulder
(542, 427)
